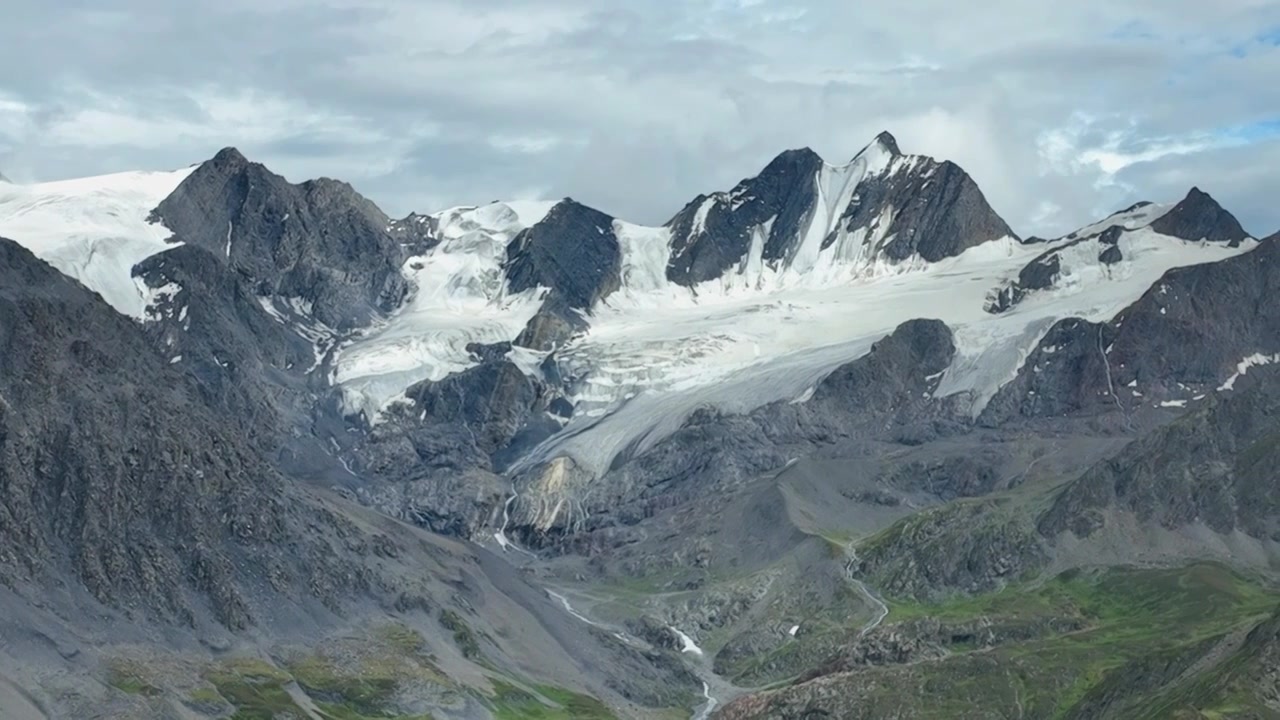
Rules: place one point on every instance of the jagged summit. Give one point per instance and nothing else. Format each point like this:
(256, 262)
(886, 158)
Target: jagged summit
(1200, 217)
(887, 141)
(884, 143)
(801, 212)
(228, 157)
(319, 242)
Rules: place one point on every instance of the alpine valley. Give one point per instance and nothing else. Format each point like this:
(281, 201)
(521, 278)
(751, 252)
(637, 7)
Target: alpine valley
(834, 443)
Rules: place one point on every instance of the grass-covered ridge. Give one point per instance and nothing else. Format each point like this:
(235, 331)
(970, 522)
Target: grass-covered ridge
(385, 673)
(1118, 642)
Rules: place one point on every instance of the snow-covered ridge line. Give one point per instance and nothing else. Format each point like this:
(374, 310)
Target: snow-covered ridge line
(460, 297)
(1134, 218)
(94, 229)
(766, 329)
(762, 331)
(651, 358)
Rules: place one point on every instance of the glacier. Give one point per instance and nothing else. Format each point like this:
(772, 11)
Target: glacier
(766, 330)
(650, 359)
(460, 297)
(94, 229)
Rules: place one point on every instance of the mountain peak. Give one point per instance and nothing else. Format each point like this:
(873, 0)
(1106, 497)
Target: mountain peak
(1200, 217)
(318, 240)
(229, 157)
(793, 158)
(887, 141)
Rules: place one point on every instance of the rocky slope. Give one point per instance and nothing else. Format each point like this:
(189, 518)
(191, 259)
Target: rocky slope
(320, 242)
(131, 502)
(114, 467)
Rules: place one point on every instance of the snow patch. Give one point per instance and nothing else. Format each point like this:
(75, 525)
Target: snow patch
(154, 300)
(687, 643)
(1242, 368)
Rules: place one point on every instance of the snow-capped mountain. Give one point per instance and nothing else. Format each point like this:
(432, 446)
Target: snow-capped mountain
(750, 296)
(801, 214)
(93, 229)
(604, 335)
(826, 383)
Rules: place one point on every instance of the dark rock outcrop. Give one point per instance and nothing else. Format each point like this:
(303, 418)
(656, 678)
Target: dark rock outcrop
(939, 211)
(1200, 217)
(1181, 339)
(573, 252)
(113, 468)
(1215, 467)
(936, 211)
(969, 547)
(319, 242)
(713, 233)
(207, 320)
(1039, 274)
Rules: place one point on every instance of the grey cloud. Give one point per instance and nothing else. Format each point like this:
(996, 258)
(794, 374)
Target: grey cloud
(1060, 111)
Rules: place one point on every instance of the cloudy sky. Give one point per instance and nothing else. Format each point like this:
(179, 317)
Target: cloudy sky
(1062, 111)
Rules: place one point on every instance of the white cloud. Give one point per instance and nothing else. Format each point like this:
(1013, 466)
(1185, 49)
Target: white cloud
(1060, 111)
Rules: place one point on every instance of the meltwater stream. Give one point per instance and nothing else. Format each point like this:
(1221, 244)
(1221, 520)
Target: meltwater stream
(689, 646)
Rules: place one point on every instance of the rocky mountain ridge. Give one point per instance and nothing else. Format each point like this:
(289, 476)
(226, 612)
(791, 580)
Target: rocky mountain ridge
(826, 385)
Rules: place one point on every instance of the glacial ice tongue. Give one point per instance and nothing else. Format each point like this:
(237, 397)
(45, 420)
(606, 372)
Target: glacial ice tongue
(650, 358)
(765, 330)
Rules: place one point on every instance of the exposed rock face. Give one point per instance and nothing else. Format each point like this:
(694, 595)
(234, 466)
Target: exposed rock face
(885, 393)
(1110, 256)
(1215, 467)
(575, 253)
(208, 322)
(319, 242)
(1200, 217)
(949, 478)
(1185, 337)
(1039, 274)
(113, 465)
(971, 548)
(713, 233)
(916, 205)
(434, 457)
(1067, 373)
(939, 212)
